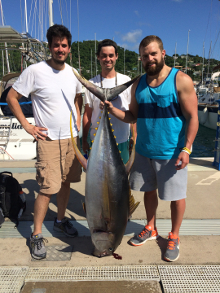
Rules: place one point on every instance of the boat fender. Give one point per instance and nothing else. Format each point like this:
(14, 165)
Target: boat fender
(204, 116)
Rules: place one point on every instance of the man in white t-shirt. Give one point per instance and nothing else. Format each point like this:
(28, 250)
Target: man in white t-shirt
(55, 91)
(107, 55)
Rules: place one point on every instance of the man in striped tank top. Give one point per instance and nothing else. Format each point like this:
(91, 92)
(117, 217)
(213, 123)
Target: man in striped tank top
(164, 104)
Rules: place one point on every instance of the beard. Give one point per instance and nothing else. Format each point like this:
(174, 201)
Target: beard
(154, 70)
(57, 61)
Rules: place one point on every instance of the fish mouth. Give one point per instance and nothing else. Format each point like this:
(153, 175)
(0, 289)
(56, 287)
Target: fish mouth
(100, 254)
(101, 231)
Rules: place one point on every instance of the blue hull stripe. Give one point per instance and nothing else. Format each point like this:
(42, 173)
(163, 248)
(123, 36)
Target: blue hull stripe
(151, 110)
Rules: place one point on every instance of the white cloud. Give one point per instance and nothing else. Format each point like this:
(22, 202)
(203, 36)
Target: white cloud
(177, 0)
(144, 24)
(136, 12)
(132, 36)
(123, 45)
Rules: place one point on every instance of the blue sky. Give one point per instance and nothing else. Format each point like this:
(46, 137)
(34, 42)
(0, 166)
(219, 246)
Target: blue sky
(127, 21)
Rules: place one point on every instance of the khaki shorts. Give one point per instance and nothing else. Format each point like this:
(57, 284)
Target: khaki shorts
(56, 163)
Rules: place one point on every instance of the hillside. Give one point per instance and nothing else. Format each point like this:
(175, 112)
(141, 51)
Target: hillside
(132, 64)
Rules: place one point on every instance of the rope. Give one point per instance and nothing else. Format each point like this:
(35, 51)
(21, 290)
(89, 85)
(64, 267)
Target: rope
(22, 103)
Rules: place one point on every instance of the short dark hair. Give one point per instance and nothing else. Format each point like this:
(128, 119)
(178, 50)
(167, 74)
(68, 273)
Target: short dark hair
(106, 43)
(58, 30)
(149, 39)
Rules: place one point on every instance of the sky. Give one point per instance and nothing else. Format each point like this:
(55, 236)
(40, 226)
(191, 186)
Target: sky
(183, 25)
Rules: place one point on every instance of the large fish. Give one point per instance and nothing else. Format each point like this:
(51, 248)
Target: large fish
(108, 199)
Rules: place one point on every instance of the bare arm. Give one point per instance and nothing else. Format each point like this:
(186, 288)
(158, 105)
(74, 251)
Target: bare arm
(133, 127)
(12, 100)
(189, 107)
(129, 116)
(78, 105)
(86, 125)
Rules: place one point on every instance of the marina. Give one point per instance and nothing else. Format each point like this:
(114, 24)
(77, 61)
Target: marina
(70, 265)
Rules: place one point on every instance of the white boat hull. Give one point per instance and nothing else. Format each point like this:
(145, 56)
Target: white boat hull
(208, 116)
(18, 144)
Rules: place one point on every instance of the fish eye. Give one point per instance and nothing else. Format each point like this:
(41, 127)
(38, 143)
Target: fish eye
(110, 249)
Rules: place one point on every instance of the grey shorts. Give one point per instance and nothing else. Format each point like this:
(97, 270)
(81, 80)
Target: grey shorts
(149, 174)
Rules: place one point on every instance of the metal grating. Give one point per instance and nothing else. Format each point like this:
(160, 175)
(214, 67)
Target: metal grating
(57, 253)
(189, 227)
(12, 279)
(190, 279)
(93, 273)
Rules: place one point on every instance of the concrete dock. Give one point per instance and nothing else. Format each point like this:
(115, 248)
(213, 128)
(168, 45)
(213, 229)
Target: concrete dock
(70, 267)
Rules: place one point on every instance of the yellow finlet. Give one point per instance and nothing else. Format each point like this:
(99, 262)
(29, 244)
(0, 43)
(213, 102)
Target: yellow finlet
(111, 124)
(114, 136)
(132, 204)
(94, 134)
(98, 122)
(99, 117)
(112, 130)
(96, 128)
(84, 207)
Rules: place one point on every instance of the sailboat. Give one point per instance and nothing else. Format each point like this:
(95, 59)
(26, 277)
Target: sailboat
(208, 107)
(15, 142)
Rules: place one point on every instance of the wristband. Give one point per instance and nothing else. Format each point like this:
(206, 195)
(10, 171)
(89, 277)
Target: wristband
(186, 150)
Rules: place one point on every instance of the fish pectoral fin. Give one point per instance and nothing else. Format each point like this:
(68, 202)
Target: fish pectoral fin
(132, 204)
(84, 207)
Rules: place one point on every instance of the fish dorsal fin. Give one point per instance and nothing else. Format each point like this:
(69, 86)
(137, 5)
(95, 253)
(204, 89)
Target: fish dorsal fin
(132, 204)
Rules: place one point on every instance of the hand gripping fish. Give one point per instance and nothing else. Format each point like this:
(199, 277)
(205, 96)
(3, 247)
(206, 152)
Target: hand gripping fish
(108, 199)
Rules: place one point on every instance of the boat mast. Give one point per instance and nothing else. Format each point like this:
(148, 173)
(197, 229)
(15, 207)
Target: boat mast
(78, 36)
(6, 51)
(95, 57)
(50, 12)
(25, 7)
(203, 62)
(175, 57)
(187, 50)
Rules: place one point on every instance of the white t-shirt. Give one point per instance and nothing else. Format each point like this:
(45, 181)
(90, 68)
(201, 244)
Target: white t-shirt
(121, 129)
(52, 93)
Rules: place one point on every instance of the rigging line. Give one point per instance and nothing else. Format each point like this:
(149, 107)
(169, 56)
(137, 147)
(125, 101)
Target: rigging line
(70, 16)
(78, 36)
(2, 14)
(212, 51)
(61, 15)
(21, 17)
(67, 13)
(30, 14)
(208, 20)
(46, 19)
(34, 19)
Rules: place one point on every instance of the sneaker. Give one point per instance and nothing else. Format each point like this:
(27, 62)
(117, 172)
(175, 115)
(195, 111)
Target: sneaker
(172, 252)
(38, 249)
(146, 234)
(66, 227)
